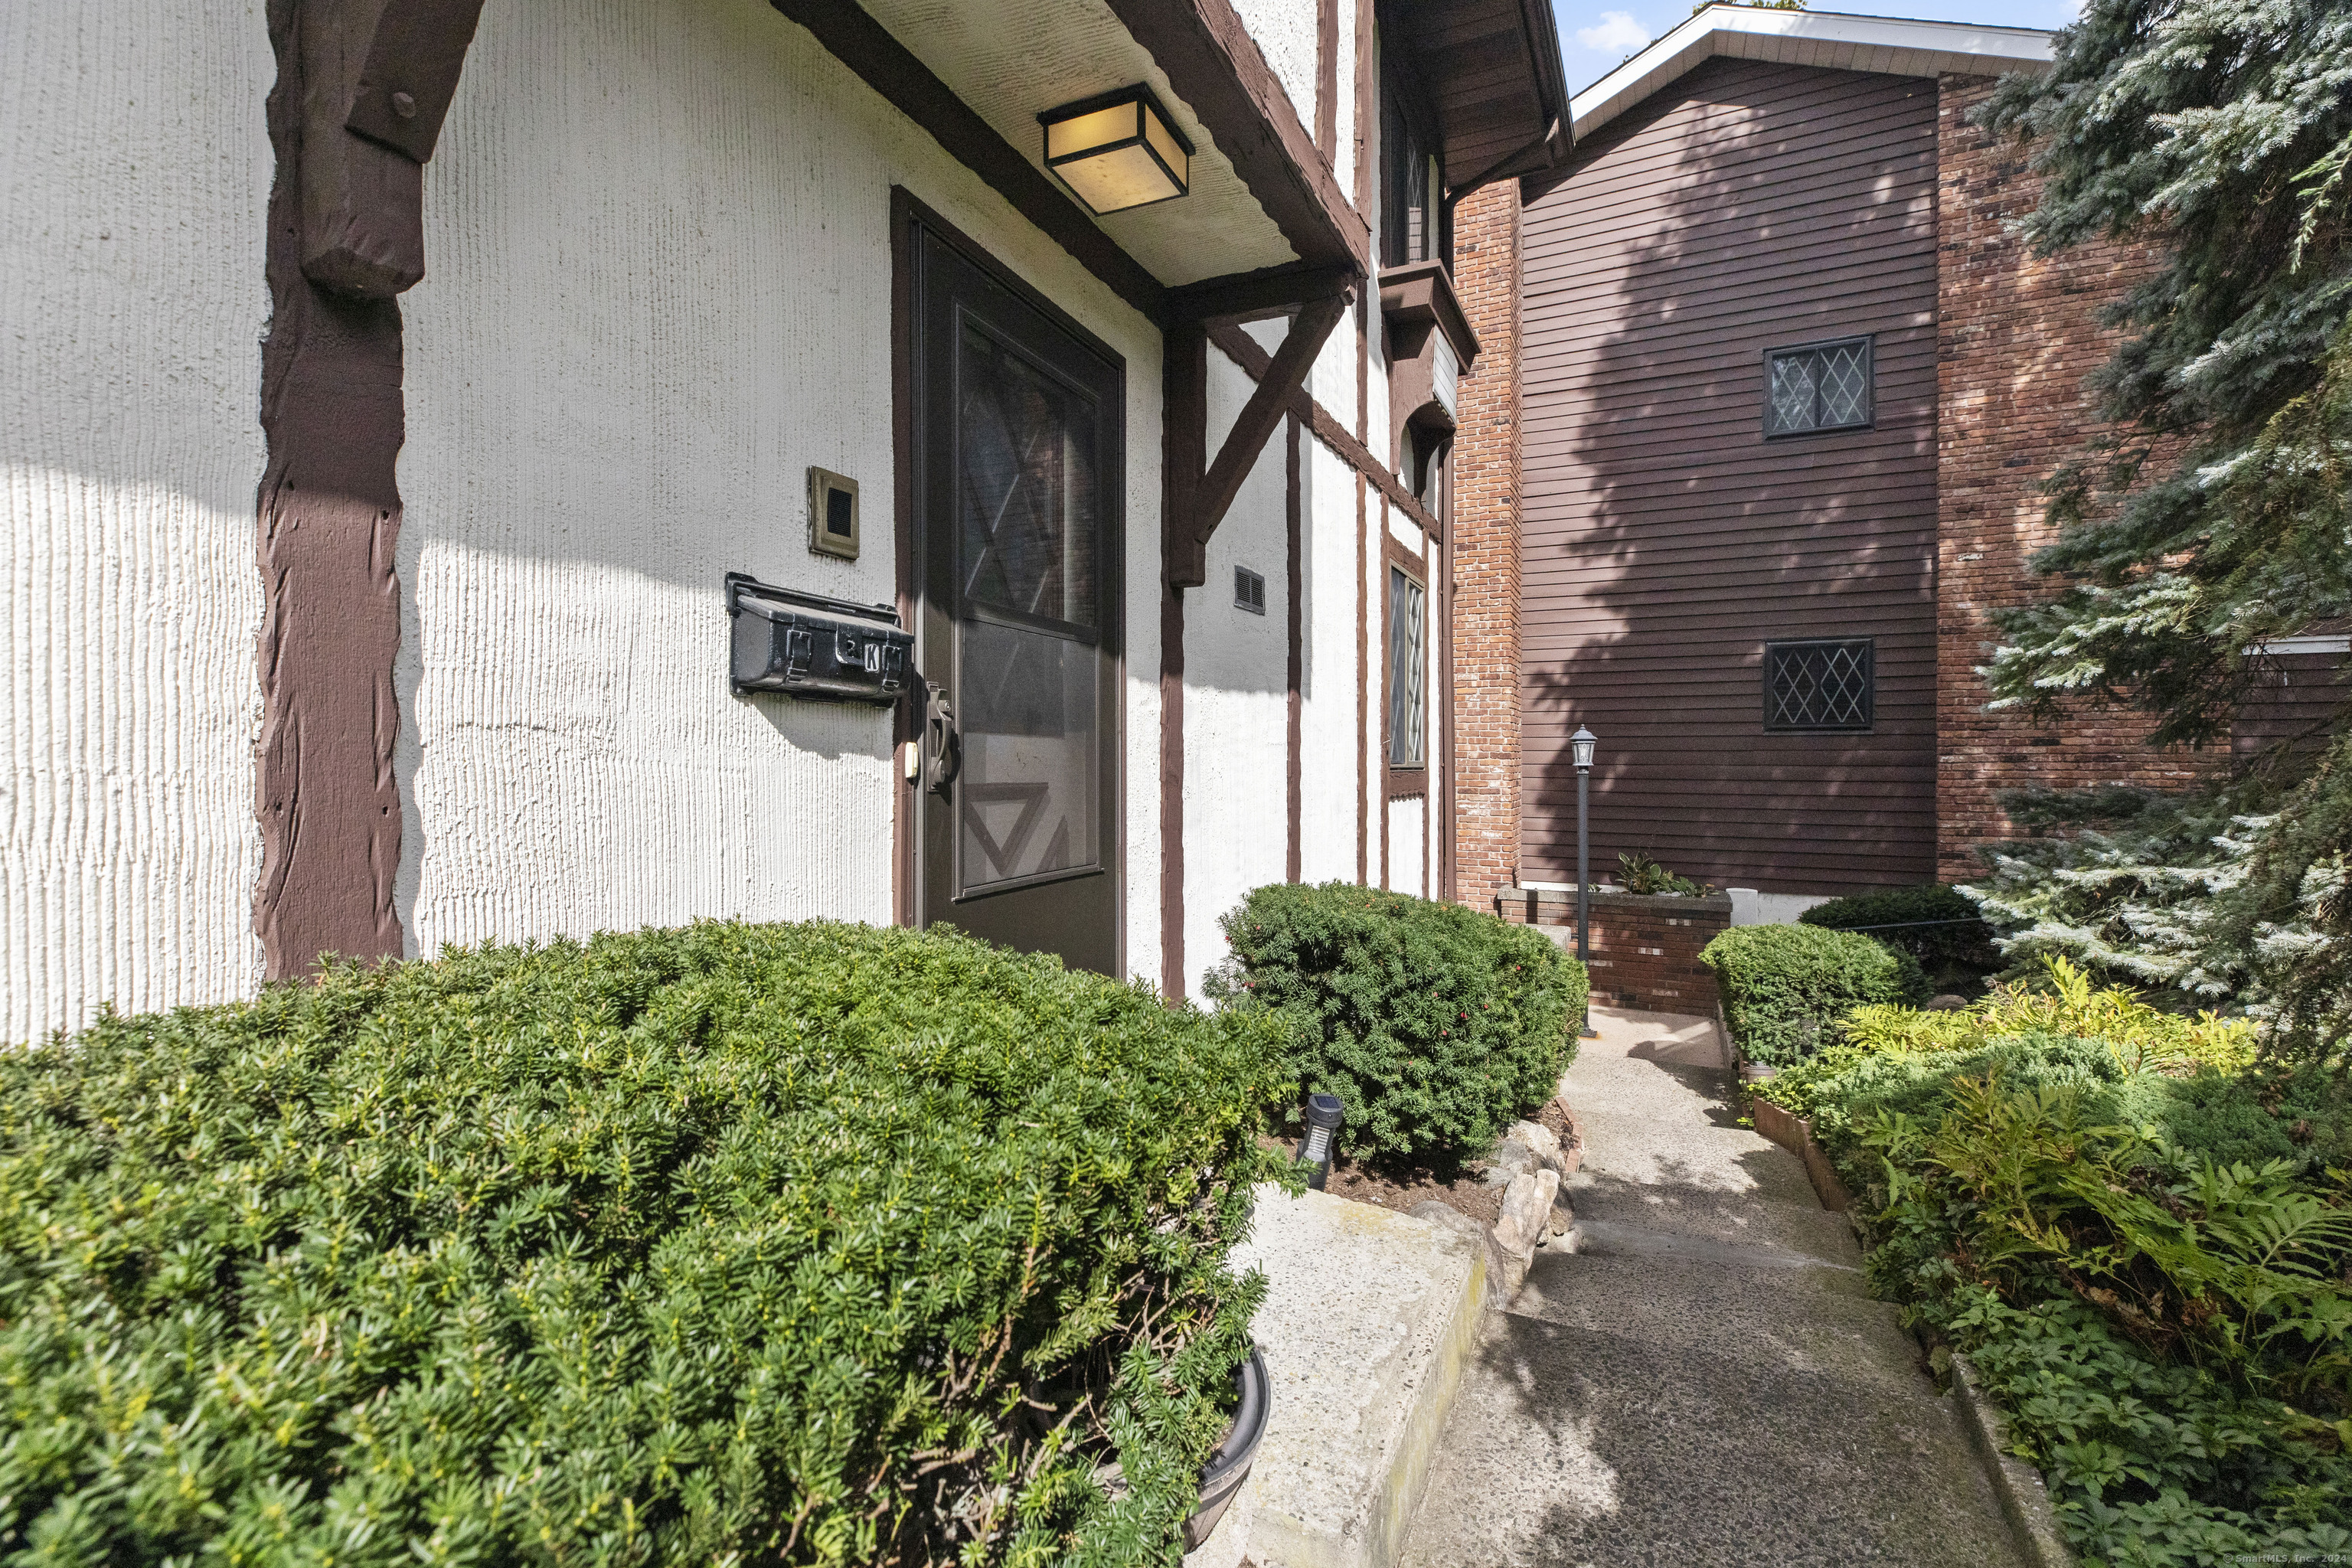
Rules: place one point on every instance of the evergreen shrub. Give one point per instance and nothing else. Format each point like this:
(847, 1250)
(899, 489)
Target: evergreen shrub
(1433, 1024)
(814, 1244)
(1937, 924)
(1785, 987)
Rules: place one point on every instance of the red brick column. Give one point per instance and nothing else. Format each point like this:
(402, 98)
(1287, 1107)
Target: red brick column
(1485, 608)
(2018, 335)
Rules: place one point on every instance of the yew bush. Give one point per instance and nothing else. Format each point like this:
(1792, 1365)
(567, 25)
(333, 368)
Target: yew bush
(814, 1244)
(1433, 1024)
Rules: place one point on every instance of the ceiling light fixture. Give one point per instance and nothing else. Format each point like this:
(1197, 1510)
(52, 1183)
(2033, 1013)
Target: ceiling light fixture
(1118, 150)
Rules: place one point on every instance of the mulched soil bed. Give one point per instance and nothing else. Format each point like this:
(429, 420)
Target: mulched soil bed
(1464, 1190)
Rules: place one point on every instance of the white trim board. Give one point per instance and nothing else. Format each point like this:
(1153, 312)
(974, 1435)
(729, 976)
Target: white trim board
(1887, 44)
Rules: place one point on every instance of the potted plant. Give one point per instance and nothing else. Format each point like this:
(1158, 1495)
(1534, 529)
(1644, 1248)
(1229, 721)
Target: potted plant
(1229, 1464)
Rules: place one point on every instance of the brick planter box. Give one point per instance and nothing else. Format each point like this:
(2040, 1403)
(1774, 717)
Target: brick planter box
(1646, 946)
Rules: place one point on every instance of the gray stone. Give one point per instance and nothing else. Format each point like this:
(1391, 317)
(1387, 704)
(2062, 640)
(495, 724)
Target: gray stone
(1535, 1135)
(1527, 1212)
(1511, 1158)
(2024, 1497)
(1369, 1317)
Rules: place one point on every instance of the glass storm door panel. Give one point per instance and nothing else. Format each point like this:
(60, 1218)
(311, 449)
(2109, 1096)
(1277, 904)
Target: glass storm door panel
(1018, 449)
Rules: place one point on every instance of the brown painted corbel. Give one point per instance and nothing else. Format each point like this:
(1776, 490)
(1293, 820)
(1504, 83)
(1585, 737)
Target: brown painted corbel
(378, 78)
(1203, 501)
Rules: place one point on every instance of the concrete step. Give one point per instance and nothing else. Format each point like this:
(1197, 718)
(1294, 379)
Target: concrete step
(1370, 1316)
(1580, 1446)
(1706, 1380)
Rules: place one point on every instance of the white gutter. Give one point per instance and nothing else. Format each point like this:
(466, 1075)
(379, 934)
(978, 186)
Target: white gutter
(1886, 45)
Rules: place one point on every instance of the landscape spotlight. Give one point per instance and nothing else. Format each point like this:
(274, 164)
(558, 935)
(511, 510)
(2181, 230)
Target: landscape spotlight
(1323, 1115)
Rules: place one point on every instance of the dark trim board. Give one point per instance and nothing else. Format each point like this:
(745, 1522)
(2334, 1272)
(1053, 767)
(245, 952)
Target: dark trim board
(344, 210)
(907, 721)
(1326, 83)
(1184, 450)
(1363, 687)
(1294, 525)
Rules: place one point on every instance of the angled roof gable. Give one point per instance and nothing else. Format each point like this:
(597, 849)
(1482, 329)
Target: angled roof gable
(1889, 45)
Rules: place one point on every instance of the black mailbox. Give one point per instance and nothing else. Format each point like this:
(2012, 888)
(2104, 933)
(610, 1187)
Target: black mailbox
(782, 643)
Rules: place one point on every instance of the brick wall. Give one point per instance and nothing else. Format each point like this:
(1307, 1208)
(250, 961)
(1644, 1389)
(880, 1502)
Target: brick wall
(1644, 948)
(1486, 607)
(2017, 336)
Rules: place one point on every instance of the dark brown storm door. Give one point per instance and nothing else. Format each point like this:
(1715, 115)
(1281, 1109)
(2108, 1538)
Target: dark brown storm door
(1018, 453)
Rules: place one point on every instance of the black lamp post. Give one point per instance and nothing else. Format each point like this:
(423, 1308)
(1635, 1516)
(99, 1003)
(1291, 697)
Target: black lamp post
(1580, 747)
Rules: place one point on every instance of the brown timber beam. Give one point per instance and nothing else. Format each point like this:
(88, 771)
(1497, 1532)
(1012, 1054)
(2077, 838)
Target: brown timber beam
(1205, 499)
(1244, 351)
(362, 87)
(1254, 296)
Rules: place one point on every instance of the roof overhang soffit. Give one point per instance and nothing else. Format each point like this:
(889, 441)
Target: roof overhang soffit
(976, 73)
(1884, 45)
(1491, 72)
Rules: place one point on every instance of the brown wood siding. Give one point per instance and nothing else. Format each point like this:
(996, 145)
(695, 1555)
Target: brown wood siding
(1665, 540)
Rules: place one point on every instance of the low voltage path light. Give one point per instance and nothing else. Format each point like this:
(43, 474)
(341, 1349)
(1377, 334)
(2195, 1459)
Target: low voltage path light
(1579, 748)
(1323, 1115)
(1118, 150)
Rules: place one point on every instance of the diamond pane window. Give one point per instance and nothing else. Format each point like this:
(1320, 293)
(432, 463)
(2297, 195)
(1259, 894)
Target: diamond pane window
(1822, 386)
(1407, 640)
(1820, 684)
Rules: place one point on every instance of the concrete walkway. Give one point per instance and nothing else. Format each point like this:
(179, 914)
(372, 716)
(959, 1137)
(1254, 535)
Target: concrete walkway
(1705, 1380)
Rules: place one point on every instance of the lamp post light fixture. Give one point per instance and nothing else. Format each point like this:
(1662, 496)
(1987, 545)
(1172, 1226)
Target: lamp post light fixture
(1580, 749)
(1118, 150)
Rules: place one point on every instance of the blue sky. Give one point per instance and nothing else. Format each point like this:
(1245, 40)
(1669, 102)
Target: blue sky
(1595, 35)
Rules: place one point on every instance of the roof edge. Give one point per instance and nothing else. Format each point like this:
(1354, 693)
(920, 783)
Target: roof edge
(1886, 45)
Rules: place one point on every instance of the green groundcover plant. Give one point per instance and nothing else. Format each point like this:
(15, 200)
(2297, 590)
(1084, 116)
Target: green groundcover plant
(734, 1244)
(1785, 987)
(1433, 1024)
(2141, 1235)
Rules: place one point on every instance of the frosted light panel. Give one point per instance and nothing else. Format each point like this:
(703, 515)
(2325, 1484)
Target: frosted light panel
(1109, 182)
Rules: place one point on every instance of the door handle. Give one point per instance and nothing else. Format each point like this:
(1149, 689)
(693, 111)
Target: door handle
(942, 742)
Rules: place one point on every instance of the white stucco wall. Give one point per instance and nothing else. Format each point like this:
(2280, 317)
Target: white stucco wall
(134, 174)
(1237, 696)
(1283, 31)
(658, 288)
(1407, 872)
(1328, 725)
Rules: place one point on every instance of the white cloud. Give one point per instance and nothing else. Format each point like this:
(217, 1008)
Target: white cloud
(1618, 34)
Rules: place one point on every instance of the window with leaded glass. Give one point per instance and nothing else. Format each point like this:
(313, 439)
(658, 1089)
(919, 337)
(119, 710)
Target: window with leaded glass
(1820, 386)
(1408, 642)
(1823, 685)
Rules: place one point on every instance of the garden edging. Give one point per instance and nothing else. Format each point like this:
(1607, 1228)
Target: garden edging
(1795, 1133)
(2024, 1499)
